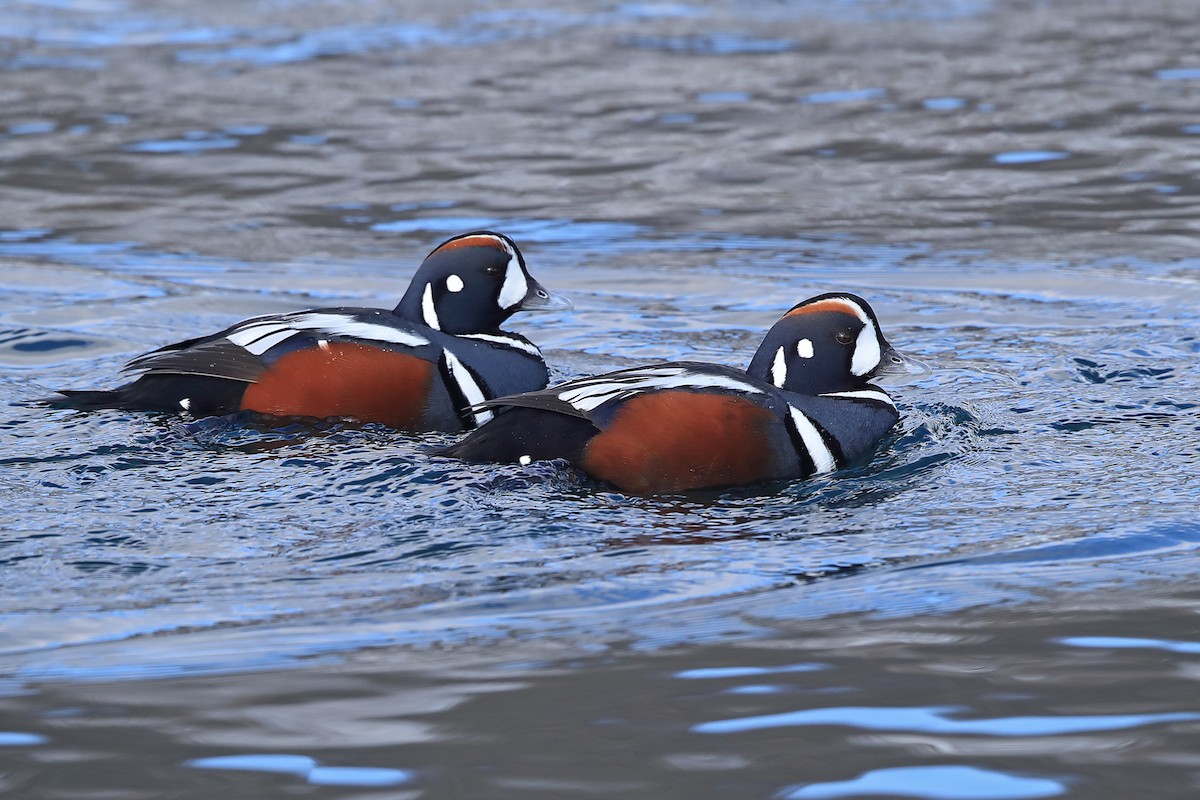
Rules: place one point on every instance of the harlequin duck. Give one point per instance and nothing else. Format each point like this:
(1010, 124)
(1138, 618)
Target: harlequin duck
(806, 405)
(426, 365)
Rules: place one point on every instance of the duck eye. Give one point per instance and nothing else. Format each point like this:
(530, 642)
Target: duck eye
(843, 337)
(493, 270)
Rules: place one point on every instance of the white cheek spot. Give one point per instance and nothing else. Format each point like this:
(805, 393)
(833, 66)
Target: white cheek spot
(804, 348)
(525, 461)
(454, 284)
(428, 312)
(185, 403)
(779, 369)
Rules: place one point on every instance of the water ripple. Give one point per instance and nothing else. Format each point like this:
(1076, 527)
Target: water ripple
(937, 720)
(933, 783)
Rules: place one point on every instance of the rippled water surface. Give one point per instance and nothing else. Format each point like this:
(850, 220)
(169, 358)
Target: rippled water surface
(1000, 604)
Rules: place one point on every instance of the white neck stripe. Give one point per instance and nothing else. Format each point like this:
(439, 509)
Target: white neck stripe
(818, 451)
(779, 368)
(862, 394)
(506, 341)
(428, 312)
(469, 388)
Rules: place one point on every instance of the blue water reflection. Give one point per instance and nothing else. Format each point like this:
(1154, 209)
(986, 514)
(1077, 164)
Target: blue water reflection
(307, 768)
(746, 672)
(937, 720)
(1030, 156)
(932, 783)
(844, 96)
(1126, 643)
(19, 739)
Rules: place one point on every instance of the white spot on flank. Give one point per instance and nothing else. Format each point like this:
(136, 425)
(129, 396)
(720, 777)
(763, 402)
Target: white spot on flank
(804, 348)
(323, 344)
(525, 461)
(185, 403)
(454, 283)
(779, 369)
(822, 459)
(515, 286)
(428, 312)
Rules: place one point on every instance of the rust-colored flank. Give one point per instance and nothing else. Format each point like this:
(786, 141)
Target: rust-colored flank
(675, 440)
(344, 379)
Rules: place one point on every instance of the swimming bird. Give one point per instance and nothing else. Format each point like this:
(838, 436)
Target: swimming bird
(806, 405)
(425, 365)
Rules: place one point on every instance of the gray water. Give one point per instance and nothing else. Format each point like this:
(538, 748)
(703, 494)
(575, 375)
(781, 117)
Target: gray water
(999, 605)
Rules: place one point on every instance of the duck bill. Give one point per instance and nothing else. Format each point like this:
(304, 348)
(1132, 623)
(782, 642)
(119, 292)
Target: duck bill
(896, 367)
(538, 298)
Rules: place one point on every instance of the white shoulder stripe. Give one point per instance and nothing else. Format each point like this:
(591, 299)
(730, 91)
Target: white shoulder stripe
(341, 325)
(264, 344)
(250, 333)
(822, 459)
(590, 394)
(507, 341)
(469, 388)
(258, 337)
(863, 394)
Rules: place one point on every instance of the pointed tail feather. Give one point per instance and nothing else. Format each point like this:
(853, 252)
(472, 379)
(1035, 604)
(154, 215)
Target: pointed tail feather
(88, 399)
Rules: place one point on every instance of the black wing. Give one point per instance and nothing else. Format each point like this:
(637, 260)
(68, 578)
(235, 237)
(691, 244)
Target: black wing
(244, 351)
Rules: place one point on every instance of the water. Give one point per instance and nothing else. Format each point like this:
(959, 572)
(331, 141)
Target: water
(999, 605)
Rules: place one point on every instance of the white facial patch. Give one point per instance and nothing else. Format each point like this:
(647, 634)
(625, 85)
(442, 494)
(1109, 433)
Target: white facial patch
(515, 285)
(454, 284)
(867, 352)
(779, 369)
(804, 348)
(428, 312)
